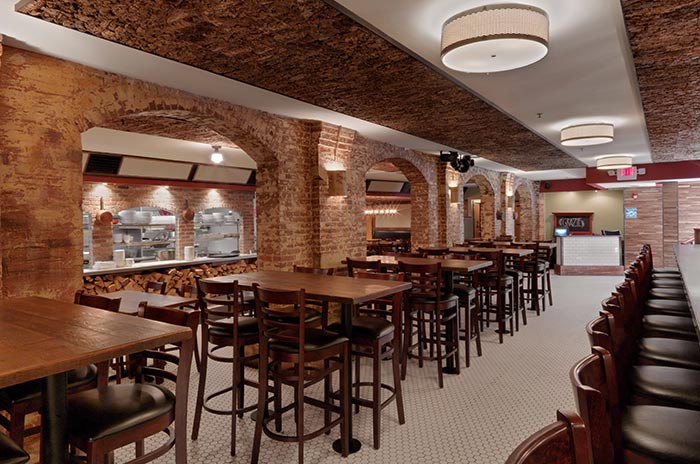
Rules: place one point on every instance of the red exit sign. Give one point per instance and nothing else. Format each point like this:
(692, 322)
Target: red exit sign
(627, 173)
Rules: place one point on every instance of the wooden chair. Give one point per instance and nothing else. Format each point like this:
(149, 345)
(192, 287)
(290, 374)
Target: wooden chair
(433, 252)
(495, 287)
(318, 310)
(10, 452)
(427, 305)
(636, 434)
(20, 400)
(361, 264)
(535, 273)
(190, 291)
(296, 355)
(465, 287)
(103, 419)
(223, 326)
(373, 336)
(563, 442)
(97, 301)
(544, 256)
(155, 287)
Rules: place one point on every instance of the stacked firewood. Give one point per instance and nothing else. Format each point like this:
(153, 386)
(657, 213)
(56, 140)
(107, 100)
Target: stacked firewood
(174, 277)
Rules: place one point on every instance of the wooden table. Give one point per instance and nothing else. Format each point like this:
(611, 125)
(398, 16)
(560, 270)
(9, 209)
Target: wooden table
(344, 290)
(452, 265)
(43, 338)
(688, 258)
(516, 252)
(131, 300)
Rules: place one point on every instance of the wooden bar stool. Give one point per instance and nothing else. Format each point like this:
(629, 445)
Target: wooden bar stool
(103, 419)
(295, 355)
(373, 336)
(223, 326)
(495, 287)
(427, 305)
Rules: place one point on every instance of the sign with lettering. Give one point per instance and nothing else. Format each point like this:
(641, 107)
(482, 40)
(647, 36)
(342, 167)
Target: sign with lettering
(577, 223)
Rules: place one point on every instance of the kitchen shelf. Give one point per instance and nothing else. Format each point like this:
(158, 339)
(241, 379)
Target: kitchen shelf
(146, 243)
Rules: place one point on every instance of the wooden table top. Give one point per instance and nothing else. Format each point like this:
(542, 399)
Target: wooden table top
(131, 300)
(457, 265)
(339, 289)
(541, 244)
(506, 251)
(688, 258)
(41, 337)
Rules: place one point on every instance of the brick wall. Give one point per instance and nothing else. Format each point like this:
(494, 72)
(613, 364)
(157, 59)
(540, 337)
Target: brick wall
(689, 206)
(118, 197)
(670, 223)
(648, 227)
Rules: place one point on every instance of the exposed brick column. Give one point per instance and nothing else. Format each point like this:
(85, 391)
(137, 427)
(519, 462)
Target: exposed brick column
(670, 223)
(443, 202)
(455, 209)
(648, 227)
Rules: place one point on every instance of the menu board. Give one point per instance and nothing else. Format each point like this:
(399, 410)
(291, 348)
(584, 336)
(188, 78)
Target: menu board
(577, 223)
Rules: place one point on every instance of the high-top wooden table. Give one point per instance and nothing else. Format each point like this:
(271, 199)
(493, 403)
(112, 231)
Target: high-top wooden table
(688, 258)
(517, 252)
(43, 338)
(344, 290)
(131, 300)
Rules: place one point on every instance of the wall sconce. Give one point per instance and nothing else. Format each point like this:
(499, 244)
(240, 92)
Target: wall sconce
(454, 195)
(337, 184)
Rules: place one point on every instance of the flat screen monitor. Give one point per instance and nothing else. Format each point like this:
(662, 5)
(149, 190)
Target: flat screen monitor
(561, 231)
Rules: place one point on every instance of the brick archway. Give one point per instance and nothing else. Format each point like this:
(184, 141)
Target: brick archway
(41, 237)
(488, 183)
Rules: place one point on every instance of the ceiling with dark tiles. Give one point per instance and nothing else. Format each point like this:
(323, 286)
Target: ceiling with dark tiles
(665, 40)
(308, 50)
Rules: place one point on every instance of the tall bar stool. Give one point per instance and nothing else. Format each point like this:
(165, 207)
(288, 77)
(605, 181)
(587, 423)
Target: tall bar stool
(296, 355)
(361, 265)
(495, 287)
(316, 311)
(20, 400)
(465, 286)
(10, 452)
(373, 336)
(223, 326)
(103, 419)
(563, 442)
(535, 272)
(427, 305)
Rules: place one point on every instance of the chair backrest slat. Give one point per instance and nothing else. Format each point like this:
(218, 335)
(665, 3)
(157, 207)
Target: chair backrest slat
(97, 301)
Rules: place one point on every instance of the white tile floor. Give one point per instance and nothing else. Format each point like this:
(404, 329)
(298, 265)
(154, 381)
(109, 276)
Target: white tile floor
(479, 417)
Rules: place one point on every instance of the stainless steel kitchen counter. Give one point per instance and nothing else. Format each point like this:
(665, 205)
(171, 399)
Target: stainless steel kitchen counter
(149, 265)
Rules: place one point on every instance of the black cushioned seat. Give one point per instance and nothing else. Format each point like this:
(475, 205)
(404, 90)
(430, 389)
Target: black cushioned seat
(367, 327)
(310, 315)
(667, 283)
(447, 300)
(667, 434)
(666, 276)
(101, 412)
(666, 270)
(669, 384)
(10, 453)
(315, 340)
(676, 325)
(246, 325)
(667, 351)
(668, 293)
(30, 391)
(464, 290)
(670, 307)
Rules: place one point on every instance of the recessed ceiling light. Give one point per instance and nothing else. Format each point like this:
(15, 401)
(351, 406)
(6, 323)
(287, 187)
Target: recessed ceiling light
(614, 162)
(495, 38)
(581, 135)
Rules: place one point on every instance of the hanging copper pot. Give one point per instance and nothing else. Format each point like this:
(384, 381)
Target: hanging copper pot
(103, 216)
(187, 213)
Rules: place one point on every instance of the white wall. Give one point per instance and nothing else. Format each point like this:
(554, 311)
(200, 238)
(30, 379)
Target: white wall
(606, 206)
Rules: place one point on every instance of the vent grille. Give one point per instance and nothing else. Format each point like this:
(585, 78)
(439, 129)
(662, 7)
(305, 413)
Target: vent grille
(103, 164)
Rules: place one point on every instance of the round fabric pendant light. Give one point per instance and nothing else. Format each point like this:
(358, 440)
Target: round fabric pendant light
(614, 162)
(495, 38)
(582, 135)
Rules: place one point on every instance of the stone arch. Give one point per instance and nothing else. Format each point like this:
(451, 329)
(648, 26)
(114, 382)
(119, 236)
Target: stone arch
(41, 143)
(488, 184)
(419, 169)
(525, 218)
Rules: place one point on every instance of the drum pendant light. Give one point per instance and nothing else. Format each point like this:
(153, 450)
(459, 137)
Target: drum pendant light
(495, 38)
